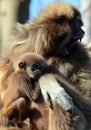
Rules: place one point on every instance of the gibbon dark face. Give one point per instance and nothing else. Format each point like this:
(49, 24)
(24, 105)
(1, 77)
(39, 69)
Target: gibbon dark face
(76, 34)
(61, 28)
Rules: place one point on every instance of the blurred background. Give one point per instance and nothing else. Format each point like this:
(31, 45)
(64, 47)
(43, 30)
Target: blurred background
(21, 11)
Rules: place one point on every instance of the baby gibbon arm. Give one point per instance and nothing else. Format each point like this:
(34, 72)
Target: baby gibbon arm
(15, 96)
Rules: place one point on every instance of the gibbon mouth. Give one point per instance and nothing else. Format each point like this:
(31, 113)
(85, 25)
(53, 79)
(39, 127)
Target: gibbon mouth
(66, 48)
(74, 41)
(36, 73)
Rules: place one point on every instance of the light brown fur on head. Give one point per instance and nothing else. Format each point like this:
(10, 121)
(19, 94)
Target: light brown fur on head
(55, 10)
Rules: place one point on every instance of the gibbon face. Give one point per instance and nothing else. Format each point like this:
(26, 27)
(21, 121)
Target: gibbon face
(33, 64)
(61, 27)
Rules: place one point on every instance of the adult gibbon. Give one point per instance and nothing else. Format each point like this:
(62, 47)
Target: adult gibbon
(55, 34)
(30, 75)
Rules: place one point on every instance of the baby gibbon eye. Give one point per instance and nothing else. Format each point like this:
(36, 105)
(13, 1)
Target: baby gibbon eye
(22, 65)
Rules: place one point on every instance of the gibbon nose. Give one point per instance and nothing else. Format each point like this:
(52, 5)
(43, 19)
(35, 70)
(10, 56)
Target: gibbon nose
(34, 67)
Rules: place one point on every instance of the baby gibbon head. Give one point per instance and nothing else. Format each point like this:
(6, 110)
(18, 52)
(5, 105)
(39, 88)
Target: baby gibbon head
(34, 64)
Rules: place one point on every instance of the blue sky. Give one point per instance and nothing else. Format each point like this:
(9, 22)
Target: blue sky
(36, 5)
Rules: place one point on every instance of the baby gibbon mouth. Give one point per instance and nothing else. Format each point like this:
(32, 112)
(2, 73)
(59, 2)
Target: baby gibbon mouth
(36, 73)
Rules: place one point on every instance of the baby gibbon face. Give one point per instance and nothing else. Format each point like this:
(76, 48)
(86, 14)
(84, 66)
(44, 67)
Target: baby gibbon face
(33, 64)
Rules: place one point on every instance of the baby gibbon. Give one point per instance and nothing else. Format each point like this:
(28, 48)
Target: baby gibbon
(31, 75)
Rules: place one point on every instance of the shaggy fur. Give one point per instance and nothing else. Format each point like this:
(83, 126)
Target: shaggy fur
(43, 34)
(22, 90)
(26, 100)
(49, 35)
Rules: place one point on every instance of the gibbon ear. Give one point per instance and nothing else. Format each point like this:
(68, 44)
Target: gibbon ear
(22, 65)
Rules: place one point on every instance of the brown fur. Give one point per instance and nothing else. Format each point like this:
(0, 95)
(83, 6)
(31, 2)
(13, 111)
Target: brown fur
(45, 36)
(41, 36)
(17, 99)
(23, 84)
(4, 128)
(38, 111)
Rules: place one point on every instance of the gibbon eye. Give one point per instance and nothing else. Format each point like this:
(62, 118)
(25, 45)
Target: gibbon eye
(60, 20)
(22, 65)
